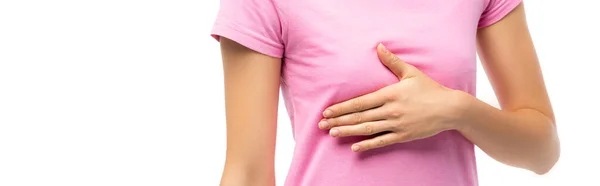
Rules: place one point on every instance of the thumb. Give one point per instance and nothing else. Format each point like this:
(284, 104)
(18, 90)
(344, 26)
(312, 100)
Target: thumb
(395, 64)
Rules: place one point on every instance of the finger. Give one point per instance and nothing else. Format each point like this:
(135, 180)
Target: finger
(380, 141)
(361, 103)
(395, 64)
(363, 129)
(373, 114)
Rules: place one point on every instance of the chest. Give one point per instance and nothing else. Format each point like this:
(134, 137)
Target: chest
(333, 41)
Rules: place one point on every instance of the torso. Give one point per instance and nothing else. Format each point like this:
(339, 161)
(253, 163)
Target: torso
(330, 57)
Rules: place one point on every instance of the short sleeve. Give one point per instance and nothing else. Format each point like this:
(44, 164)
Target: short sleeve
(252, 23)
(495, 10)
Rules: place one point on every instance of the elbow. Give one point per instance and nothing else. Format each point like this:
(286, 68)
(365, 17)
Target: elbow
(544, 168)
(248, 173)
(548, 159)
(547, 165)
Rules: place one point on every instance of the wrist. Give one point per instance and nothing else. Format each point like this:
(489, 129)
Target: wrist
(459, 103)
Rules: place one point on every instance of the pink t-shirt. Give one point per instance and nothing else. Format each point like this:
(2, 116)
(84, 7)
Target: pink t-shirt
(329, 55)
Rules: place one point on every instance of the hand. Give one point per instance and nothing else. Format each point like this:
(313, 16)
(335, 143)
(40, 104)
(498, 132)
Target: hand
(416, 107)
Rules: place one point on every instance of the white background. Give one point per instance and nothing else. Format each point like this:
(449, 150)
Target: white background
(129, 92)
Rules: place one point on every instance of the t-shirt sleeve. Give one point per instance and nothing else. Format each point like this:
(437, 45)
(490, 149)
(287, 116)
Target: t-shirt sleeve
(252, 23)
(495, 10)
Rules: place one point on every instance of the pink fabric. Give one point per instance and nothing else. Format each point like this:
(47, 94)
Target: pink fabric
(329, 55)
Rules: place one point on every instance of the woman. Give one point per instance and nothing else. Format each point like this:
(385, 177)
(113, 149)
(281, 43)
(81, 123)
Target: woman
(381, 92)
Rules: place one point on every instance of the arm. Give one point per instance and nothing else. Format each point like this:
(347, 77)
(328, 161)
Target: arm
(251, 100)
(523, 132)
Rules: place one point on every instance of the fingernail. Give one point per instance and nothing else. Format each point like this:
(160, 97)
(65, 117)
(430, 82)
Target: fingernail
(355, 148)
(334, 132)
(327, 113)
(323, 124)
(382, 48)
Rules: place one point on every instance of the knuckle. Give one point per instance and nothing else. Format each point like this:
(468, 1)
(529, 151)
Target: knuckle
(406, 135)
(368, 129)
(388, 93)
(395, 113)
(389, 127)
(390, 97)
(394, 59)
(396, 126)
(356, 104)
(391, 54)
(381, 142)
(357, 117)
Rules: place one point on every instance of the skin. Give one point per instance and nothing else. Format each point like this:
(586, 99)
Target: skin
(251, 100)
(522, 133)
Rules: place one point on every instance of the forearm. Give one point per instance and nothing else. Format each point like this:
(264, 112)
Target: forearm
(523, 138)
